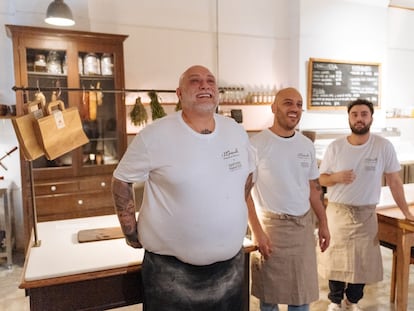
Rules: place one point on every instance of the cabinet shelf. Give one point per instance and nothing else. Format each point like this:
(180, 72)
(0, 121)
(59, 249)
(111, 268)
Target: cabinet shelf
(103, 139)
(96, 77)
(46, 74)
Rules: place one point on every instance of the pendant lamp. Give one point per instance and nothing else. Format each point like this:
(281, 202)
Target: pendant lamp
(59, 14)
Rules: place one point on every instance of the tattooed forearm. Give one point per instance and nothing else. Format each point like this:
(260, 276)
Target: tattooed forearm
(123, 198)
(249, 185)
(318, 187)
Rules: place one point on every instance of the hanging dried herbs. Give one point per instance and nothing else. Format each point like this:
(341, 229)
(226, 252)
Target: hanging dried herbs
(178, 106)
(138, 114)
(156, 108)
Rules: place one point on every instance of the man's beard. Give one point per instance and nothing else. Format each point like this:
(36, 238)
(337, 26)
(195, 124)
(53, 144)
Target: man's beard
(362, 130)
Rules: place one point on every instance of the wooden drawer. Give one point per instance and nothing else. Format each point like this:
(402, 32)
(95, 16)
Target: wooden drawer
(101, 183)
(82, 204)
(58, 187)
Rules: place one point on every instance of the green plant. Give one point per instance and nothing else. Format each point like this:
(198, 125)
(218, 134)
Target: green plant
(138, 114)
(178, 106)
(156, 108)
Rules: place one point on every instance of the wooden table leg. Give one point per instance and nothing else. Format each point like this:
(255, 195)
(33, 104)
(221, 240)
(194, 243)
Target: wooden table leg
(403, 268)
(393, 276)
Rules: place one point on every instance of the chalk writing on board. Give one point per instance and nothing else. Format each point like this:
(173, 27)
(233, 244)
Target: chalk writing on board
(333, 84)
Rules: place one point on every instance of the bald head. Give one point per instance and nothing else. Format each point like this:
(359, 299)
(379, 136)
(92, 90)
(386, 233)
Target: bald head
(289, 92)
(194, 70)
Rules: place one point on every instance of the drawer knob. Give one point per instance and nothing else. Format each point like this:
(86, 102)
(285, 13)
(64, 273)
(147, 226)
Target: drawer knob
(80, 202)
(53, 188)
(103, 184)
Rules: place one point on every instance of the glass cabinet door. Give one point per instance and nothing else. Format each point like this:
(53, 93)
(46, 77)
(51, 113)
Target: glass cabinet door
(97, 109)
(46, 69)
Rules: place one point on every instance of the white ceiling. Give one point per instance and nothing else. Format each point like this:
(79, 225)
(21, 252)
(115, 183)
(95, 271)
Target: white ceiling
(405, 4)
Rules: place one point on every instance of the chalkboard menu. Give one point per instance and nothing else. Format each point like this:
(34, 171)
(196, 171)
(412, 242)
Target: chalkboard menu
(333, 84)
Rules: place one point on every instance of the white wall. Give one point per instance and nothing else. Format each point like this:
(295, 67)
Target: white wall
(399, 90)
(261, 43)
(340, 30)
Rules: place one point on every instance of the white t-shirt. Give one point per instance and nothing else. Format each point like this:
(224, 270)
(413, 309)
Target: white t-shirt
(284, 168)
(369, 162)
(194, 202)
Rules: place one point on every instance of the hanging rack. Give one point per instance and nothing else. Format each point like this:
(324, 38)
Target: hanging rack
(74, 89)
(78, 89)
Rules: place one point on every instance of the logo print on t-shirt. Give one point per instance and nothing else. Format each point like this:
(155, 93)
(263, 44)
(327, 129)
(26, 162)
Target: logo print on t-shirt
(232, 159)
(304, 159)
(370, 164)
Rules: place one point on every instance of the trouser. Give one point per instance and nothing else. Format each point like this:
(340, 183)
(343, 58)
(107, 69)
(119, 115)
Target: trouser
(170, 284)
(337, 289)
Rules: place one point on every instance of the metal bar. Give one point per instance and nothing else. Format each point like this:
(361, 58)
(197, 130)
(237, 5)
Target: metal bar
(73, 89)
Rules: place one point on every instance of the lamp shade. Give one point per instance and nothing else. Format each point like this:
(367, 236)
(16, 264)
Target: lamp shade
(59, 14)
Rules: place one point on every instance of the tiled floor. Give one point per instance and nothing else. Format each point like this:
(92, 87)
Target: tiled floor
(376, 296)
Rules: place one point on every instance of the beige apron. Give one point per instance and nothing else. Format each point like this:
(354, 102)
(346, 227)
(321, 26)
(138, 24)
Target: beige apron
(289, 276)
(354, 254)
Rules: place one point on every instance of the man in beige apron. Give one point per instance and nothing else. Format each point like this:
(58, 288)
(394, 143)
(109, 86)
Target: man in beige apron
(285, 271)
(352, 170)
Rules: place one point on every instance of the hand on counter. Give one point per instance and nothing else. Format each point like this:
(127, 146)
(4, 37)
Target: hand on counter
(132, 240)
(409, 216)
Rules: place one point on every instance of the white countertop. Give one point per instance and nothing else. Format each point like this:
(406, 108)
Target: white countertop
(386, 199)
(60, 253)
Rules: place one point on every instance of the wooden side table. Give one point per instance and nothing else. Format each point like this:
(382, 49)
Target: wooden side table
(7, 250)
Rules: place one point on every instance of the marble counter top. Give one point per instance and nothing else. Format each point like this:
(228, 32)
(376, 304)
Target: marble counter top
(60, 254)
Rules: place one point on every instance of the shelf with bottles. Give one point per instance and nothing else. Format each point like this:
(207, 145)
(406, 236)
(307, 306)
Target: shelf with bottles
(238, 95)
(400, 113)
(228, 96)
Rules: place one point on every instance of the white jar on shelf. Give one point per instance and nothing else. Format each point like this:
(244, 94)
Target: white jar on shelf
(91, 64)
(106, 64)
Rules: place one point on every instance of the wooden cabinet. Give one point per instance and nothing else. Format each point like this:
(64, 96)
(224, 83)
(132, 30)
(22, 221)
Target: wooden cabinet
(72, 63)
(89, 196)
